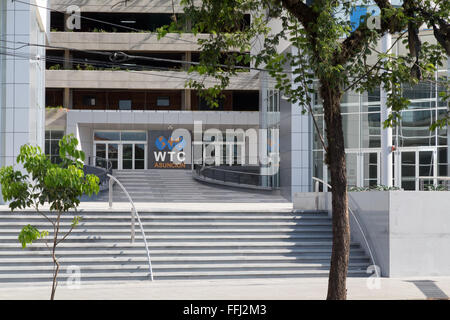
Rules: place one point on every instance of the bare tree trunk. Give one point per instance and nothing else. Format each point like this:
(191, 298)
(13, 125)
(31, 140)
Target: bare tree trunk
(335, 158)
(55, 260)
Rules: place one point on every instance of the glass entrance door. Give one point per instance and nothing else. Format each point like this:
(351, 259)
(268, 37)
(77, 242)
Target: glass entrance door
(363, 168)
(100, 155)
(113, 154)
(127, 156)
(133, 156)
(408, 170)
(124, 149)
(426, 164)
(415, 164)
(105, 152)
(139, 156)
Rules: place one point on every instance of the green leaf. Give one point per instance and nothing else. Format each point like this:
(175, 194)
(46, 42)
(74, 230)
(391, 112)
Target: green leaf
(29, 233)
(75, 221)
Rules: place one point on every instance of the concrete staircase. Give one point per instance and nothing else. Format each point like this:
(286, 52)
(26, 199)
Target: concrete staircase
(185, 245)
(172, 185)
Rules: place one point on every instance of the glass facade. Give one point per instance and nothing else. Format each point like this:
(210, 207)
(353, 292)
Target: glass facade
(52, 138)
(122, 149)
(273, 127)
(419, 152)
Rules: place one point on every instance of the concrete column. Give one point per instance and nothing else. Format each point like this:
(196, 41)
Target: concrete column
(67, 98)
(66, 16)
(262, 139)
(188, 58)
(186, 95)
(187, 99)
(67, 60)
(3, 32)
(448, 126)
(386, 134)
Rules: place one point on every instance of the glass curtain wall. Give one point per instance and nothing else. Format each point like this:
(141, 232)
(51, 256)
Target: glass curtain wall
(273, 129)
(419, 151)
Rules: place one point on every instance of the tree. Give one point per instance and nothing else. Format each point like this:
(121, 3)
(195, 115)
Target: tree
(331, 53)
(59, 185)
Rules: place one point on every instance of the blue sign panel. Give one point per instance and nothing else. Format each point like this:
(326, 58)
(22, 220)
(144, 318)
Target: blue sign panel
(356, 16)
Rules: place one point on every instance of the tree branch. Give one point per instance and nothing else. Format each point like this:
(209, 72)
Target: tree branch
(373, 67)
(300, 10)
(383, 4)
(42, 214)
(65, 236)
(357, 38)
(441, 28)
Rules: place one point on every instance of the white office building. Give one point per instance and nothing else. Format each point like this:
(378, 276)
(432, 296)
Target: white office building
(117, 115)
(118, 110)
(22, 76)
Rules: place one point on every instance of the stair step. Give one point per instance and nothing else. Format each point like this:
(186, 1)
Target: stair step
(179, 225)
(307, 256)
(142, 274)
(109, 214)
(184, 245)
(179, 231)
(141, 256)
(151, 237)
(169, 267)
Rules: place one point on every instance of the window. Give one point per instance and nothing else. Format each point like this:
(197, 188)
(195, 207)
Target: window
(245, 101)
(125, 104)
(134, 136)
(89, 101)
(120, 136)
(106, 136)
(162, 101)
(204, 106)
(52, 138)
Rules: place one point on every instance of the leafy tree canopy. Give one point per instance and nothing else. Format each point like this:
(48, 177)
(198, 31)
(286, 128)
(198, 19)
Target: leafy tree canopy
(60, 185)
(330, 50)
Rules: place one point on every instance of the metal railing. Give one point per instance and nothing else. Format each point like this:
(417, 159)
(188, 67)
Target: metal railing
(231, 177)
(134, 213)
(317, 183)
(372, 258)
(434, 185)
(101, 168)
(100, 162)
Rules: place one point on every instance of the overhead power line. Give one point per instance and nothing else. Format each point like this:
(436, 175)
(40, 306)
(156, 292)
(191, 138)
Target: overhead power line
(161, 74)
(127, 28)
(122, 56)
(99, 21)
(143, 70)
(124, 68)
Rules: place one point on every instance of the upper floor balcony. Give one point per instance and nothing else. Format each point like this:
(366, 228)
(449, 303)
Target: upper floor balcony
(163, 118)
(122, 79)
(159, 100)
(153, 6)
(126, 41)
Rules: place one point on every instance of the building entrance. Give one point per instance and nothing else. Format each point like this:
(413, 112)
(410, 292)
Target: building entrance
(123, 149)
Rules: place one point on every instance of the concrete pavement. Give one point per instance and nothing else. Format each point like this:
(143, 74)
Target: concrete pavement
(264, 289)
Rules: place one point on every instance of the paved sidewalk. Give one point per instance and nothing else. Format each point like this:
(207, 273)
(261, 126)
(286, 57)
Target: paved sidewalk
(263, 289)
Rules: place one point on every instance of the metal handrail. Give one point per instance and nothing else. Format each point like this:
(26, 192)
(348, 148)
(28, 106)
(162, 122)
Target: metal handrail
(101, 173)
(232, 171)
(435, 180)
(108, 166)
(432, 177)
(199, 173)
(134, 213)
(317, 180)
(357, 222)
